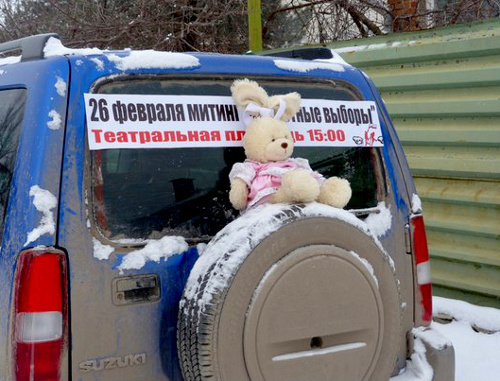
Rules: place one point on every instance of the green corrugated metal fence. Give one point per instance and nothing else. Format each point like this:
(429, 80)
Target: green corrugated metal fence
(442, 88)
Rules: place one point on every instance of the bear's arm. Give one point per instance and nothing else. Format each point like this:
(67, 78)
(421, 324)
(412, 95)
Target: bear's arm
(241, 177)
(238, 195)
(304, 164)
(243, 171)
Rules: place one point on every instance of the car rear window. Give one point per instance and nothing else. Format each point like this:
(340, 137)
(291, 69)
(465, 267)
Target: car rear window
(148, 193)
(12, 106)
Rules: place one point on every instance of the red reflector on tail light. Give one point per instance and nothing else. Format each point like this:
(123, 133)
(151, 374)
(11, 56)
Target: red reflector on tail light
(421, 255)
(40, 322)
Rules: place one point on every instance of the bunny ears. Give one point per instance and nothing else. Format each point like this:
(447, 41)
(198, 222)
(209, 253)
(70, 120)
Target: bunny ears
(256, 103)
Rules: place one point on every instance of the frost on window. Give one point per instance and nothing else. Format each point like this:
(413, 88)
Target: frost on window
(150, 193)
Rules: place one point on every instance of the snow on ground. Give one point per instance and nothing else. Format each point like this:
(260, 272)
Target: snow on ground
(476, 353)
(483, 317)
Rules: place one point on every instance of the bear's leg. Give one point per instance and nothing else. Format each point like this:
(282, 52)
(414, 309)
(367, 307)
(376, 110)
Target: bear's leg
(335, 192)
(297, 186)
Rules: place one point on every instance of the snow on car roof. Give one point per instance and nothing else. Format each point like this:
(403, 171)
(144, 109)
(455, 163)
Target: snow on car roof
(128, 59)
(148, 59)
(9, 60)
(54, 47)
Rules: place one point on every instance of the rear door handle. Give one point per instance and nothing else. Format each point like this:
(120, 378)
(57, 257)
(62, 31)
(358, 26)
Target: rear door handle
(136, 289)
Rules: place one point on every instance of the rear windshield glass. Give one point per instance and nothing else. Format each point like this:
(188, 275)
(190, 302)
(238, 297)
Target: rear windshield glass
(12, 105)
(149, 193)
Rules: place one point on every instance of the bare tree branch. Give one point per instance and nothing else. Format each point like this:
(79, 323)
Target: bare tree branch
(359, 17)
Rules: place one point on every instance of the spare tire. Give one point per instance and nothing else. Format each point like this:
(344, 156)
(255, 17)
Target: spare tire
(291, 293)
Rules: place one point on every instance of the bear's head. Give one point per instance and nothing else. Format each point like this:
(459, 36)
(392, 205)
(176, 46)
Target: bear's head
(267, 136)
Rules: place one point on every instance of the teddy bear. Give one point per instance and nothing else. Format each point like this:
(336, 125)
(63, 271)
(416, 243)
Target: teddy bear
(269, 173)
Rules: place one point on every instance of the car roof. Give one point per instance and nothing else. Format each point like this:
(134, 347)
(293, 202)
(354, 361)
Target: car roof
(109, 62)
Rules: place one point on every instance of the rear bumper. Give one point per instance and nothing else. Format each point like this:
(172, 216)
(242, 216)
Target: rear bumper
(439, 353)
(433, 349)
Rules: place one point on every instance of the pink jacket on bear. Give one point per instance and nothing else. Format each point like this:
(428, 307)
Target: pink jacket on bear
(264, 179)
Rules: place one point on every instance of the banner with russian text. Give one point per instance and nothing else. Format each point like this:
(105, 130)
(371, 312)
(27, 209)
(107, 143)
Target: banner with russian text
(179, 121)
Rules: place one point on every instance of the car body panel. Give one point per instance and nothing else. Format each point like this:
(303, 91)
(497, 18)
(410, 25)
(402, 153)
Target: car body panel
(38, 163)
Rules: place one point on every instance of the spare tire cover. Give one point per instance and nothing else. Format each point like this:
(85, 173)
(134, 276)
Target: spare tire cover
(301, 292)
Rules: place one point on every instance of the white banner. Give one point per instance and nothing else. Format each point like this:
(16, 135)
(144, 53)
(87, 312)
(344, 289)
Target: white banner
(178, 121)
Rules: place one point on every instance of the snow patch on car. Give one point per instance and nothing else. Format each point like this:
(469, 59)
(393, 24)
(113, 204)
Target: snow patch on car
(44, 202)
(417, 367)
(416, 204)
(60, 86)
(98, 63)
(148, 59)
(432, 338)
(381, 222)
(244, 233)
(54, 47)
(131, 241)
(155, 250)
(367, 264)
(306, 66)
(10, 60)
(336, 58)
(56, 121)
(200, 248)
(101, 251)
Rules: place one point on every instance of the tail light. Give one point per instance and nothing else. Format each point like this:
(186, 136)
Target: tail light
(421, 255)
(41, 315)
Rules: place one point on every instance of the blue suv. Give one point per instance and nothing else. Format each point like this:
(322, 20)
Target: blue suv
(122, 258)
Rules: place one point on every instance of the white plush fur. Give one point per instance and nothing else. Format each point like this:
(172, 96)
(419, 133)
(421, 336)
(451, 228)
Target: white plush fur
(263, 142)
(245, 91)
(297, 186)
(335, 192)
(292, 104)
(238, 194)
